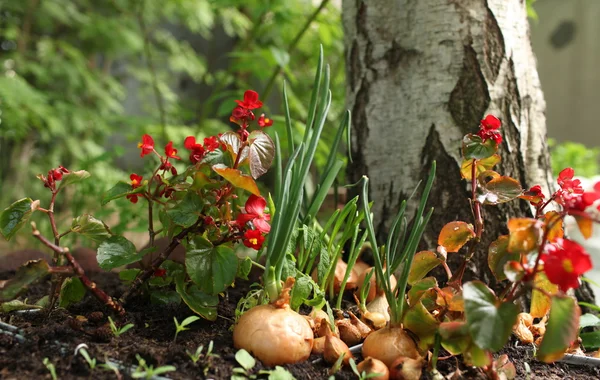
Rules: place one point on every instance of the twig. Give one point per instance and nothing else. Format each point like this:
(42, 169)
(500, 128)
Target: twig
(293, 45)
(97, 292)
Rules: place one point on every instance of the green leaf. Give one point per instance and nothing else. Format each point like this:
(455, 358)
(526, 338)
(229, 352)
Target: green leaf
(115, 252)
(262, 152)
(590, 340)
(199, 302)
(420, 321)
(498, 190)
(419, 288)
(422, 264)
(212, 268)
(72, 291)
(244, 268)
(164, 297)
(73, 177)
(90, 227)
(455, 235)
(15, 216)
(280, 373)
(245, 359)
(490, 322)
(26, 275)
(455, 336)
(14, 305)
(300, 292)
(498, 256)
(562, 329)
(588, 320)
(120, 190)
(237, 178)
(474, 148)
(128, 275)
(186, 212)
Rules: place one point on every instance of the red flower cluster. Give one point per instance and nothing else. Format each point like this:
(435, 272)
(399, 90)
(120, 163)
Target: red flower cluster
(54, 175)
(253, 239)
(242, 114)
(136, 181)
(488, 129)
(564, 262)
(571, 195)
(255, 213)
(535, 195)
(198, 151)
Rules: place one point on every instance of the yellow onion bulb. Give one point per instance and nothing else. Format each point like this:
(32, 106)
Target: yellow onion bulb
(274, 335)
(388, 344)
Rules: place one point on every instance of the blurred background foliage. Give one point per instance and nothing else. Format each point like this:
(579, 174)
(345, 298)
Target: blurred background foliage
(82, 80)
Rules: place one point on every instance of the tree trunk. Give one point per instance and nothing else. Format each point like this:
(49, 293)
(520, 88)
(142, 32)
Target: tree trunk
(423, 73)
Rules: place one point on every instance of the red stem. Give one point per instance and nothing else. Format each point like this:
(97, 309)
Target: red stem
(79, 272)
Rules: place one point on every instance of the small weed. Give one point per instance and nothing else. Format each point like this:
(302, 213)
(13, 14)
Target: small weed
(145, 371)
(182, 327)
(117, 332)
(50, 367)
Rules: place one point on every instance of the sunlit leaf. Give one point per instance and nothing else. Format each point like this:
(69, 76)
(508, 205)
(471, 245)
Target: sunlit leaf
(498, 256)
(451, 298)
(237, 178)
(540, 303)
(73, 177)
(474, 147)
(490, 322)
(524, 234)
(420, 321)
(466, 168)
(26, 275)
(422, 264)
(15, 216)
(90, 227)
(561, 330)
(455, 235)
(262, 152)
(553, 220)
(585, 225)
(300, 292)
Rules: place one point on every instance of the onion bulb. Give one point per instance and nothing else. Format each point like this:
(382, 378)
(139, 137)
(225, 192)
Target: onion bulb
(360, 267)
(380, 305)
(338, 277)
(334, 348)
(388, 344)
(348, 332)
(371, 366)
(406, 369)
(373, 290)
(362, 328)
(274, 333)
(318, 346)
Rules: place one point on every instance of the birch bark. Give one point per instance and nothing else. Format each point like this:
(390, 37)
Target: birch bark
(421, 74)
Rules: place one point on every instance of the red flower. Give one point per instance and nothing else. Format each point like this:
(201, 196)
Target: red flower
(147, 145)
(570, 193)
(488, 129)
(535, 196)
(57, 174)
(255, 207)
(171, 152)
(197, 150)
(250, 101)
(160, 272)
(211, 143)
(253, 239)
(264, 121)
(133, 198)
(564, 262)
(136, 180)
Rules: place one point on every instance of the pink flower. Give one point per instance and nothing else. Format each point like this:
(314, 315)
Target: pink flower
(255, 207)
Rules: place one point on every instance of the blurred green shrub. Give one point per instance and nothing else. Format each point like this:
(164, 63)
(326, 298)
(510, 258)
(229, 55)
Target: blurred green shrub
(81, 80)
(584, 160)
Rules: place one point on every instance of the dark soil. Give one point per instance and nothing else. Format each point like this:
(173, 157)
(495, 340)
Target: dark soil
(56, 336)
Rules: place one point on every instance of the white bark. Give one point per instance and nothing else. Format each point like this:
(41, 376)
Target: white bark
(421, 74)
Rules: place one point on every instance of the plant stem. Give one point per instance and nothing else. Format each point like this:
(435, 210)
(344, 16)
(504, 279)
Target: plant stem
(78, 270)
(146, 274)
(292, 46)
(56, 279)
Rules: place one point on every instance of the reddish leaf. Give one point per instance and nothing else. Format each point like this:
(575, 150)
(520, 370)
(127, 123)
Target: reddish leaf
(552, 220)
(454, 235)
(233, 143)
(498, 256)
(455, 336)
(419, 288)
(451, 298)
(585, 225)
(262, 152)
(237, 178)
(466, 168)
(498, 190)
(423, 262)
(540, 303)
(524, 234)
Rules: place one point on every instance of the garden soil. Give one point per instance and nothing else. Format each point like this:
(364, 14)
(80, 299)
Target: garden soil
(56, 336)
